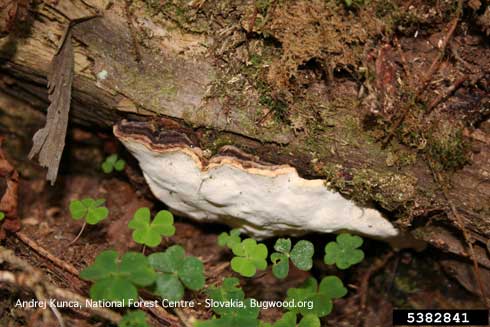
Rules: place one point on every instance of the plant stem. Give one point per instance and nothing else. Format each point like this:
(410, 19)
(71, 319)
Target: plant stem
(79, 234)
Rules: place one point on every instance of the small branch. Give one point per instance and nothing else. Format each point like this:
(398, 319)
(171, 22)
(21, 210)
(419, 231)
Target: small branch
(433, 68)
(162, 315)
(363, 288)
(46, 254)
(403, 60)
(33, 279)
(460, 225)
(25, 280)
(79, 234)
(57, 314)
(183, 318)
(158, 312)
(444, 95)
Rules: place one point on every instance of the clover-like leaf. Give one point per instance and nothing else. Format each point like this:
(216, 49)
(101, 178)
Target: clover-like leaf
(77, 209)
(95, 215)
(136, 318)
(242, 314)
(176, 270)
(169, 287)
(229, 240)
(289, 320)
(283, 245)
(169, 261)
(309, 320)
(321, 297)
(228, 291)
(111, 163)
(117, 279)
(333, 287)
(91, 210)
(192, 273)
(344, 252)
(150, 233)
(280, 265)
(301, 256)
(119, 165)
(238, 320)
(2, 216)
(249, 256)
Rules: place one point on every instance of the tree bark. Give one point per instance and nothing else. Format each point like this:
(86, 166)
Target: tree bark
(130, 63)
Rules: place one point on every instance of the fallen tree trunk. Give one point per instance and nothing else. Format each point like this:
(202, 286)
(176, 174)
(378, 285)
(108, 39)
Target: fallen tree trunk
(239, 80)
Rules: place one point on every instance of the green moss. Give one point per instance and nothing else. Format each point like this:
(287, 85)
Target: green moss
(219, 142)
(400, 158)
(447, 147)
(389, 190)
(262, 6)
(278, 107)
(187, 17)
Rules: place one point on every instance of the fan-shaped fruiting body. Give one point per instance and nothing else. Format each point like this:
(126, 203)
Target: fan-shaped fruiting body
(234, 188)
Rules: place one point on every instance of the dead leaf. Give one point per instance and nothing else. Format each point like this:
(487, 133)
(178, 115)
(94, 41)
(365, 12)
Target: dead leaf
(49, 141)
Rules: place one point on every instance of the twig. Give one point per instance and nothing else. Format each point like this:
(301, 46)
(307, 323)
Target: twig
(183, 318)
(444, 95)
(404, 60)
(363, 289)
(435, 64)
(460, 225)
(433, 67)
(25, 280)
(79, 234)
(46, 254)
(267, 114)
(162, 315)
(159, 312)
(57, 314)
(34, 280)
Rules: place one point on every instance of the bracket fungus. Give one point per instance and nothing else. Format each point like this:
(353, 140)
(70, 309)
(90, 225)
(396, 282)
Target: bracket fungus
(235, 188)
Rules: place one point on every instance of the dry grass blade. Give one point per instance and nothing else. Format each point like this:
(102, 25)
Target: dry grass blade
(49, 141)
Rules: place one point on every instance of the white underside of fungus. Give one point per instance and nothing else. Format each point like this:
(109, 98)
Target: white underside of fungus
(263, 200)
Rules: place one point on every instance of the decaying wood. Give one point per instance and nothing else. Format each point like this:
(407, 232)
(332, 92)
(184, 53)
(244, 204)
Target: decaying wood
(173, 79)
(49, 141)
